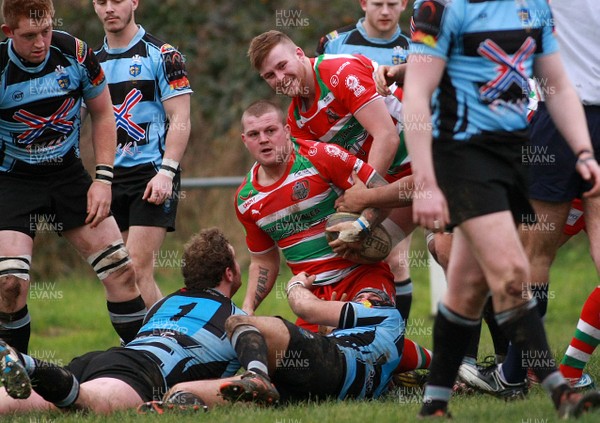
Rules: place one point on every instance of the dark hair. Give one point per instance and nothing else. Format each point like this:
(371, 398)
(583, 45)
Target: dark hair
(262, 44)
(14, 10)
(206, 256)
(261, 107)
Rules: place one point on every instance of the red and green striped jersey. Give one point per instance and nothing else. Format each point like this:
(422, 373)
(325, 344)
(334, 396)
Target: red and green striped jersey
(344, 84)
(291, 213)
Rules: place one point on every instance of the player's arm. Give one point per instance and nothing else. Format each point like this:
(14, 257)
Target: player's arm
(104, 141)
(177, 109)
(567, 113)
(262, 275)
(309, 307)
(422, 78)
(376, 120)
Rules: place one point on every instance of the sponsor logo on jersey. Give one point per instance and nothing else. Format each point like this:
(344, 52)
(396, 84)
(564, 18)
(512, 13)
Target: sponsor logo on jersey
(300, 190)
(18, 95)
(334, 81)
(428, 22)
(57, 122)
(80, 50)
(511, 69)
(166, 48)
(312, 151)
(354, 85)
(124, 118)
(341, 68)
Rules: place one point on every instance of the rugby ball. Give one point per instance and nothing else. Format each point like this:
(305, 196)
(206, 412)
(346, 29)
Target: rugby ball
(375, 247)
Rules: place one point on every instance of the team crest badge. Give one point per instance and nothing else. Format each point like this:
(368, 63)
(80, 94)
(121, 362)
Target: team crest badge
(300, 190)
(136, 66)
(62, 79)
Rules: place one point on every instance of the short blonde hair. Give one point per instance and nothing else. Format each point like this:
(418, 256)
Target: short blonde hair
(262, 44)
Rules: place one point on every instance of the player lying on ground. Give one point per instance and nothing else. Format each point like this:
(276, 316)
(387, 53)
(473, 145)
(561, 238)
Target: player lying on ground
(183, 338)
(287, 363)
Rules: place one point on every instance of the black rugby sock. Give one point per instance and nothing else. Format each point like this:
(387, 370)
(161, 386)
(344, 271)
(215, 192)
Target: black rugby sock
(451, 335)
(523, 326)
(251, 349)
(127, 317)
(15, 329)
(499, 339)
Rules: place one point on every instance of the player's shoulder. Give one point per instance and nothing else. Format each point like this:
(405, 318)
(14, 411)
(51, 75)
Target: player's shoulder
(158, 45)
(334, 38)
(70, 45)
(341, 32)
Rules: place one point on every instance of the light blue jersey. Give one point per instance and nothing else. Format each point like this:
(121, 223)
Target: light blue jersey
(40, 104)
(140, 77)
(371, 340)
(484, 88)
(353, 39)
(184, 334)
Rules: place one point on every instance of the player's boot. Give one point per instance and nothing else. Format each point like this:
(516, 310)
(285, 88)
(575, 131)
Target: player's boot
(13, 375)
(177, 402)
(489, 380)
(252, 387)
(574, 404)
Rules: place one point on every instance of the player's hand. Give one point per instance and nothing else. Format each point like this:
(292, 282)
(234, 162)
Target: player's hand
(588, 168)
(386, 75)
(303, 277)
(99, 197)
(430, 209)
(158, 189)
(351, 200)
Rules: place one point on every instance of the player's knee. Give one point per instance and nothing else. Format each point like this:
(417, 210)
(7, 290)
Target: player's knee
(113, 263)
(514, 281)
(15, 274)
(233, 322)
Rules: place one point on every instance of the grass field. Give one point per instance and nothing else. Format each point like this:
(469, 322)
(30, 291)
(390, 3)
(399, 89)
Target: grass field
(69, 318)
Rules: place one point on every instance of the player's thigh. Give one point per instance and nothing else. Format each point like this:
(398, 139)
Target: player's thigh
(106, 395)
(541, 238)
(15, 243)
(143, 242)
(88, 240)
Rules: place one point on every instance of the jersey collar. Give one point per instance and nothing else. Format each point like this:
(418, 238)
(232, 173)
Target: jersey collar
(21, 64)
(136, 38)
(363, 32)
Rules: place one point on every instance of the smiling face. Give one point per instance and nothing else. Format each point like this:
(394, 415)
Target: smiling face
(116, 15)
(382, 16)
(284, 70)
(267, 139)
(31, 38)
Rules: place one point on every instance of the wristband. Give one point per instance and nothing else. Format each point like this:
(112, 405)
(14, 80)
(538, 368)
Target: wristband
(585, 150)
(104, 174)
(292, 285)
(363, 224)
(585, 159)
(169, 168)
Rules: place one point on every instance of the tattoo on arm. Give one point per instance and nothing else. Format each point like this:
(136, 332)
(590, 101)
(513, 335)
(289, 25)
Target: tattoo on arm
(261, 286)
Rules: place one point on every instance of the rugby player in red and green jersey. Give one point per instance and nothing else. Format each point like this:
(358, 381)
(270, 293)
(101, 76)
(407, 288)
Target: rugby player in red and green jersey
(334, 100)
(284, 203)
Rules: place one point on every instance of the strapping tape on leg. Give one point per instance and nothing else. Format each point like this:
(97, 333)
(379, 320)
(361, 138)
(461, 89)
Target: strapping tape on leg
(17, 266)
(109, 260)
